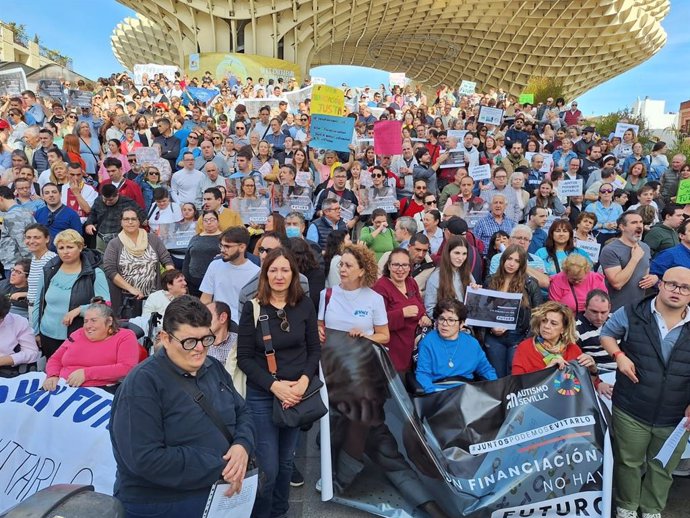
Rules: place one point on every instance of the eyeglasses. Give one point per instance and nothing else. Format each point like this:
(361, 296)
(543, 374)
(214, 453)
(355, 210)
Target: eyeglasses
(132, 160)
(17, 271)
(263, 250)
(193, 137)
(189, 344)
(72, 117)
(524, 239)
(603, 191)
(377, 175)
(284, 324)
(400, 266)
(671, 286)
(217, 138)
(153, 173)
(304, 119)
(335, 209)
(448, 321)
(431, 202)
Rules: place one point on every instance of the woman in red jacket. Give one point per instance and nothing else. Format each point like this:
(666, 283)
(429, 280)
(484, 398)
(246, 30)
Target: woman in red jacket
(100, 354)
(404, 306)
(552, 343)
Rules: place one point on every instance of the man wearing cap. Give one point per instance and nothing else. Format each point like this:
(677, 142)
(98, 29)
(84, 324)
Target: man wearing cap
(517, 134)
(583, 146)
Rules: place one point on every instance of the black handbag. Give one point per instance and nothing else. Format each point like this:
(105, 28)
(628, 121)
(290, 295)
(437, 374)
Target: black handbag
(310, 408)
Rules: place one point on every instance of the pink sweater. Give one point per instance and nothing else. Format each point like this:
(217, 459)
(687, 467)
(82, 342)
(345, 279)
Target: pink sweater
(104, 363)
(559, 289)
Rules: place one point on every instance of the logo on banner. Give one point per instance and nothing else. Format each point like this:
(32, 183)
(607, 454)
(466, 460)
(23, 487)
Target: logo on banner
(527, 396)
(567, 384)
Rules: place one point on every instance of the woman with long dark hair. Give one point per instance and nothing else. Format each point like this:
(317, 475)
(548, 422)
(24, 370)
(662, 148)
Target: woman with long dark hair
(292, 325)
(558, 246)
(511, 277)
(452, 277)
(335, 242)
(309, 267)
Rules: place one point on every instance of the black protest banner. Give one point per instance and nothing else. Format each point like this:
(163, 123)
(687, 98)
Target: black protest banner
(520, 446)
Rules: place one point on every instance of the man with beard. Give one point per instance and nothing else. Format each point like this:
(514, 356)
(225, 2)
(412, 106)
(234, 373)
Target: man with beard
(515, 158)
(226, 276)
(625, 262)
(415, 203)
(425, 170)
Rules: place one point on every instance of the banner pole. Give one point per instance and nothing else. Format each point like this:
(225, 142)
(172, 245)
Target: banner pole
(326, 461)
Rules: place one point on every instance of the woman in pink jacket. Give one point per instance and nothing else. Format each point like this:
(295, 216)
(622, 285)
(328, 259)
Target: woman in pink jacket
(100, 354)
(574, 282)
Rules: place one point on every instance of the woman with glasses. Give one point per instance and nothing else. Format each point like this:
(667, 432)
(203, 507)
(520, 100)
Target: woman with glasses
(191, 147)
(404, 307)
(132, 261)
(292, 327)
(607, 213)
(202, 249)
(99, 354)
(148, 180)
(16, 288)
(511, 277)
(89, 147)
(68, 125)
(65, 288)
(448, 356)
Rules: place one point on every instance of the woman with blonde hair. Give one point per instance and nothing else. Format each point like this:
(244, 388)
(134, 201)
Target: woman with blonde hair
(58, 174)
(552, 342)
(571, 286)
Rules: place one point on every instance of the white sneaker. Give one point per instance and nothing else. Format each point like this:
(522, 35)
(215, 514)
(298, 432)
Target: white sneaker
(625, 513)
(651, 515)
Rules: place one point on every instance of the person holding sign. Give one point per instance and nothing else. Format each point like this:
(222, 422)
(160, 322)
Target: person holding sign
(553, 342)
(625, 148)
(511, 277)
(169, 449)
(448, 356)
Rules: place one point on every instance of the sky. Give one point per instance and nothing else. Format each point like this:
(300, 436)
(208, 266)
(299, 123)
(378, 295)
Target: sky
(66, 30)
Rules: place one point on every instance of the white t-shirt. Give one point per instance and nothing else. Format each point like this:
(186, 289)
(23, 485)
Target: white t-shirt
(225, 280)
(361, 309)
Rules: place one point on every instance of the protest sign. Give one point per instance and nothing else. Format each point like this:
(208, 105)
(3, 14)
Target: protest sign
(48, 438)
(388, 137)
(144, 72)
(12, 81)
(330, 132)
(146, 154)
(591, 247)
(622, 127)
(489, 308)
(526, 99)
(619, 182)
(203, 95)
(488, 115)
(397, 79)
(467, 87)
(683, 195)
(536, 445)
(455, 159)
(176, 236)
(318, 80)
(327, 100)
(480, 172)
(254, 105)
(52, 89)
(287, 199)
(252, 210)
(194, 62)
(80, 98)
(570, 188)
(457, 134)
(296, 97)
(547, 166)
(378, 198)
(473, 217)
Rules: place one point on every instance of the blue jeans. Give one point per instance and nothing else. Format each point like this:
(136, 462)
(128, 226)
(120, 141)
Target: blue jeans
(275, 449)
(501, 349)
(189, 508)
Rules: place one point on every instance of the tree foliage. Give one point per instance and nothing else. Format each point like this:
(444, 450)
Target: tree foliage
(606, 124)
(543, 88)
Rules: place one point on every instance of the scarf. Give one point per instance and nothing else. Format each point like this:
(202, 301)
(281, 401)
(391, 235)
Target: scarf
(548, 356)
(136, 249)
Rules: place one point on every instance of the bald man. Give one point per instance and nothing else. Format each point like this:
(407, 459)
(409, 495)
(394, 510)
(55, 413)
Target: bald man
(651, 393)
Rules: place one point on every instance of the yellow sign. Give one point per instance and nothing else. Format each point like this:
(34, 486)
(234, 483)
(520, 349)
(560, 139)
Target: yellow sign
(327, 100)
(241, 66)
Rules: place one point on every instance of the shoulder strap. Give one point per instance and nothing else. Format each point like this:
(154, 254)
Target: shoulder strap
(261, 318)
(572, 289)
(329, 294)
(200, 399)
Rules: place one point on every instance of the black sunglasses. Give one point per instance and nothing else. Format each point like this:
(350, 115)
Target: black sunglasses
(432, 202)
(284, 324)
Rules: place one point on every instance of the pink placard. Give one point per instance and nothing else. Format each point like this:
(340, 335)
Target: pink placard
(388, 137)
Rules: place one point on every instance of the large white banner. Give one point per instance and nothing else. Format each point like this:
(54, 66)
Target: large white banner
(49, 438)
(151, 69)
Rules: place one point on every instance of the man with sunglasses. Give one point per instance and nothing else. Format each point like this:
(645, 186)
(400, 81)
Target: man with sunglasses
(240, 137)
(169, 451)
(650, 396)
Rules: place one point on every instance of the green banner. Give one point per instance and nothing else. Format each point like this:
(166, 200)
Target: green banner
(683, 196)
(526, 98)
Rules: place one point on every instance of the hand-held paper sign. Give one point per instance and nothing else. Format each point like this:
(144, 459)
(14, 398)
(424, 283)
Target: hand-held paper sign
(387, 137)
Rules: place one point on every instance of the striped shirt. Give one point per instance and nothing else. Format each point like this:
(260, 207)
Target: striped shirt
(588, 340)
(35, 272)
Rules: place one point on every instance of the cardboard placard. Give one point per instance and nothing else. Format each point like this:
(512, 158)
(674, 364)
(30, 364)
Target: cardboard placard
(330, 132)
(12, 81)
(488, 115)
(570, 188)
(591, 247)
(388, 137)
(480, 172)
(467, 87)
(683, 196)
(327, 100)
(622, 127)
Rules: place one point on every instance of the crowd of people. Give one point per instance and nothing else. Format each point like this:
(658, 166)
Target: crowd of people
(237, 246)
